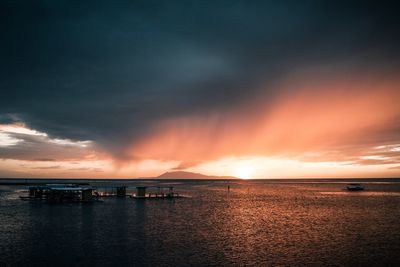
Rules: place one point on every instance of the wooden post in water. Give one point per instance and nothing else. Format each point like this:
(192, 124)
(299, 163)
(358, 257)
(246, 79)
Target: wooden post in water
(121, 191)
(141, 191)
(87, 194)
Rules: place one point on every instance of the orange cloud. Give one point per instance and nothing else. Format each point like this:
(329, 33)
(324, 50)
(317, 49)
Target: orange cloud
(323, 128)
(331, 120)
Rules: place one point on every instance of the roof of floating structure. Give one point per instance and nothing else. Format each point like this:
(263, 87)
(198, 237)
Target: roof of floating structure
(68, 188)
(61, 187)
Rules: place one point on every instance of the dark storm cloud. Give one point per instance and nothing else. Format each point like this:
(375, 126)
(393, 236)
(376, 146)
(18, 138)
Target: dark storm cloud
(109, 70)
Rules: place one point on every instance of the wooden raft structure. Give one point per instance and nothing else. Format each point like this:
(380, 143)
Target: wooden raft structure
(160, 192)
(59, 193)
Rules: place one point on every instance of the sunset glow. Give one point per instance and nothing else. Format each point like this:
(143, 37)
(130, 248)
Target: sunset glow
(244, 172)
(310, 133)
(272, 97)
(199, 133)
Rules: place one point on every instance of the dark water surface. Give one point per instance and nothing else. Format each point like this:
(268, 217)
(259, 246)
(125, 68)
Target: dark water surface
(258, 223)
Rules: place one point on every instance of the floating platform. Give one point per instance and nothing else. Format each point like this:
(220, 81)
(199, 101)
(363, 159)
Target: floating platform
(160, 192)
(59, 193)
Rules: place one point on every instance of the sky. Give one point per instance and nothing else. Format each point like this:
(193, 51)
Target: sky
(253, 89)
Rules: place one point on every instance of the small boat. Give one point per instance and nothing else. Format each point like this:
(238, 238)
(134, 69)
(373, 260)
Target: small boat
(354, 187)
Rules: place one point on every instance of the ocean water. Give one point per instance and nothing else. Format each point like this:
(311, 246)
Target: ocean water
(256, 223)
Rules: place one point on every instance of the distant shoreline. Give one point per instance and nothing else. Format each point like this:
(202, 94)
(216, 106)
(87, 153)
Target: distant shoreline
(33, 181)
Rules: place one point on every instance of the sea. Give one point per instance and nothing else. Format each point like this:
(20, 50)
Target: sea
(304, 222)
